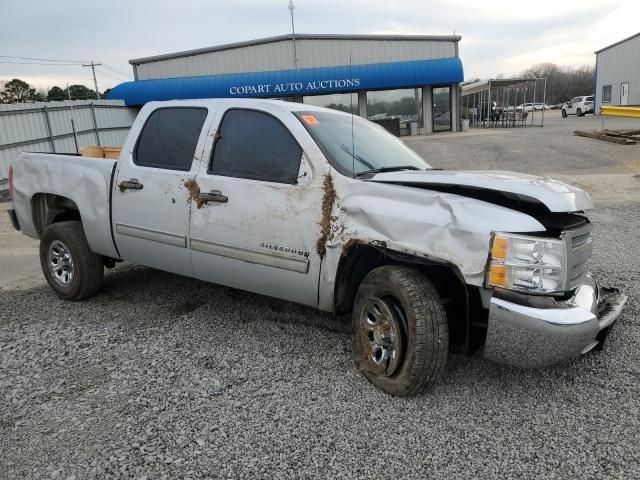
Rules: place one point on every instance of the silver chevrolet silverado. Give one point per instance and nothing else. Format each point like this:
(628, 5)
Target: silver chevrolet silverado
(327, 209)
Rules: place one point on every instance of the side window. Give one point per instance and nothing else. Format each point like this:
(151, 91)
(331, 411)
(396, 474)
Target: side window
(606, 94)
(257, 146)
(169, 138)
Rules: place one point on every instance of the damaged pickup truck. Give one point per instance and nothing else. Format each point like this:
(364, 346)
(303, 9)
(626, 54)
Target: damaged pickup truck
(327, 209)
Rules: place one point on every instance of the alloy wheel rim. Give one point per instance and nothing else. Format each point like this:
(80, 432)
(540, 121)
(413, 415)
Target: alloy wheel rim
(382, 332)
(60, 263)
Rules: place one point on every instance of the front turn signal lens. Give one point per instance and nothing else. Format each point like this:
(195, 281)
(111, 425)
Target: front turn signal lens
(498, 275)
(499, 248)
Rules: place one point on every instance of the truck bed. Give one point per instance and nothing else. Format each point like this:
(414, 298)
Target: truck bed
(84, 180)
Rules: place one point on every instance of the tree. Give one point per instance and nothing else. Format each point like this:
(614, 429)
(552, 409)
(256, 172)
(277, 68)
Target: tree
(80, 92)
(55, 93)
(563, 83)
(17, 91)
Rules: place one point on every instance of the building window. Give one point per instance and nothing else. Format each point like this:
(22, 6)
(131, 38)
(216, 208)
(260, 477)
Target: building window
(345, 102)
(606, 94)
(404, 105)
(169, 138)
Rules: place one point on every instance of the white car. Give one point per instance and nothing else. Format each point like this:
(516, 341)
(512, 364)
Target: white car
(578, 106)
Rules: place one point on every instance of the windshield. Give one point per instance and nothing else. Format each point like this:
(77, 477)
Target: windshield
(375, 148)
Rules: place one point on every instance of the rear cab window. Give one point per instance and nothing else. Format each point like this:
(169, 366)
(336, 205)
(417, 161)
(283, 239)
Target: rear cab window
(255, 145)
(169, 138)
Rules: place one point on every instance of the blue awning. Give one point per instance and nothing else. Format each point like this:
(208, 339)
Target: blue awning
(284, 83)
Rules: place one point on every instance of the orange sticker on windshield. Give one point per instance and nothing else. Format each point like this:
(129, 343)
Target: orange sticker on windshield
(310, 119)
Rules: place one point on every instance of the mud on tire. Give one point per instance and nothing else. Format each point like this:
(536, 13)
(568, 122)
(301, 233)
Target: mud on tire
(72, 270)
(397, 309)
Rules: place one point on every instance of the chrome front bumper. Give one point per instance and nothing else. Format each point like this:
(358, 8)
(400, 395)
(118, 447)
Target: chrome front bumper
(528, 336)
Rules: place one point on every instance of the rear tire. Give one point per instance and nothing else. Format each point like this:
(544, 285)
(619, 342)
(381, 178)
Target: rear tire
(72, 270)
(579, 112)
(400, 331)
(564, 113)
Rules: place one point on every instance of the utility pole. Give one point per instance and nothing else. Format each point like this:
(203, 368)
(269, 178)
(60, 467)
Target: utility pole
(93, 66)
(292, 7)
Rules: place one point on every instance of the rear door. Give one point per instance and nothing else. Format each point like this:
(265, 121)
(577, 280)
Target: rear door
(258, 221)
(624, 93)
(151, 204)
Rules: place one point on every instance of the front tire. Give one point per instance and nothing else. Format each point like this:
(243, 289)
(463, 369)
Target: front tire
(72, 270)
(400, 331)
(564, 113)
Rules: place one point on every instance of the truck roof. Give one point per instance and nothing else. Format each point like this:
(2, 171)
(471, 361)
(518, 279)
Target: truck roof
(242, 103)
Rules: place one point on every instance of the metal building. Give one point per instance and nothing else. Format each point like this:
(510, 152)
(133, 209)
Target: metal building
(618, 73)
(411, 80)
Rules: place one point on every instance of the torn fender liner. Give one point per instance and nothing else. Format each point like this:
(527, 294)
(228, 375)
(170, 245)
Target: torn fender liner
(526, 193)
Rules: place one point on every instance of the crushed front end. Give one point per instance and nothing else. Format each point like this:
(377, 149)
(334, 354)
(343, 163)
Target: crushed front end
(545, 306)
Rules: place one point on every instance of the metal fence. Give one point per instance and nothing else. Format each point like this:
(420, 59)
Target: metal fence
(48, 127)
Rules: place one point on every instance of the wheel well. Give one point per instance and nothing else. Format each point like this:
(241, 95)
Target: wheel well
(456, 297)
(49, 208)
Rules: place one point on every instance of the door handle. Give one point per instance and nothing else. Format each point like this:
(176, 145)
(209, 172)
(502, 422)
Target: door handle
(214, 196)
(131, 184)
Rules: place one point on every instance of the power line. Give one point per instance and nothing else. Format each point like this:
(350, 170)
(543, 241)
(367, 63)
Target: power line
(37, 63)
(115, 70)
(44, 59)
(109, 75)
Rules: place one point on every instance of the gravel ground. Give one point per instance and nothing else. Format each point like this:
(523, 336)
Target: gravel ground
(161, 376)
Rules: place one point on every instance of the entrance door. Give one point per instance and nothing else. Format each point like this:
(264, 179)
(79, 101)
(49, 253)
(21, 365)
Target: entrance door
(441, 109)
(258, 227)
(624, 93)
(150, 203)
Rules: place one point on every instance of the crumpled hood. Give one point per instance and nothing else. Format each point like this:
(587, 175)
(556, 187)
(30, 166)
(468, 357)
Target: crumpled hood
(557, 196)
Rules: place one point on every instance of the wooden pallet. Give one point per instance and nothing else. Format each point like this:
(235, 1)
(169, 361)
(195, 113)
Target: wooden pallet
(612, 136)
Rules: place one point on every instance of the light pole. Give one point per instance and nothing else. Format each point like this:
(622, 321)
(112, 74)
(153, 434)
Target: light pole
(292, 7)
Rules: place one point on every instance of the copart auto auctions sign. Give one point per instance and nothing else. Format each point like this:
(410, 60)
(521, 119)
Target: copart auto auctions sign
(294, 87)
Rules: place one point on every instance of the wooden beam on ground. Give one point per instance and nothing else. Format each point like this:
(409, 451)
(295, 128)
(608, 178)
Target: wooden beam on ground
(605, 138)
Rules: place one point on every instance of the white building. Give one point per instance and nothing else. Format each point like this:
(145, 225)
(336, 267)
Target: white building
(618, 73)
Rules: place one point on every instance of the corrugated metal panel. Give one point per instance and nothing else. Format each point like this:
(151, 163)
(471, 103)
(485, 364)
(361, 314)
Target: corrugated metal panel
(617, 65)
(311, 53)
(23, 127)
(304, 81)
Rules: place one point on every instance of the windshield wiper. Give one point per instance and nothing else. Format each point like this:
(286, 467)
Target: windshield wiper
(387, 169)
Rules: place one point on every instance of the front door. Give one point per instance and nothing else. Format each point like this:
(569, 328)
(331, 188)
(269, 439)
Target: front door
(150, 202)
(624, 93)
(257, 222)
(442, 109)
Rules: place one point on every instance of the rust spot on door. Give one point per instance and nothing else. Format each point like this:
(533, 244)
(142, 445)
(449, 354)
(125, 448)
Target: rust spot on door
(325, 220)
(193, 192)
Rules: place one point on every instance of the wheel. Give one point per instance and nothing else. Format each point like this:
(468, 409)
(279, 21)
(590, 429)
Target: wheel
(400, 331)
(564, 113)
(579, 112)
(72, 270)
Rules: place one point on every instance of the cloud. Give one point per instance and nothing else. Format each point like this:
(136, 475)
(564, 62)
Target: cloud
(498, 36)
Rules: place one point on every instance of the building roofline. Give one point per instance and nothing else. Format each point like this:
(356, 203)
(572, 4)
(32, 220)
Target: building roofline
(289, 36)
(617, 43)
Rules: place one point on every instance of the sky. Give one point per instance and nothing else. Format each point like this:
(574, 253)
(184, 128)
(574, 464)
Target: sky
(499, 37)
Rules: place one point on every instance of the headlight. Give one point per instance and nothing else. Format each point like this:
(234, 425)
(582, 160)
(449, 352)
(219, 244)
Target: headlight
(529, 264)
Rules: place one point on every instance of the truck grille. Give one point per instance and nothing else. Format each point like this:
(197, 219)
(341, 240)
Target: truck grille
(579, 245)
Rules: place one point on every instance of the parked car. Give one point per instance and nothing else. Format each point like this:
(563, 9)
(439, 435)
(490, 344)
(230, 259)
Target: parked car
(273, 198)
(578, 106)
